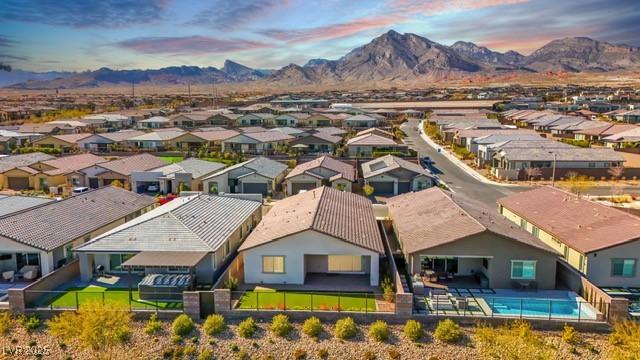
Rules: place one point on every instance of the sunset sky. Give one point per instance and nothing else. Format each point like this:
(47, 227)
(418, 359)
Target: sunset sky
(77, 35)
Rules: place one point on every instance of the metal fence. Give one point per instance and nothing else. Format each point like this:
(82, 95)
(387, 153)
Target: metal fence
(512, 307)
(74, 299)
(634, 310)
(311, 301)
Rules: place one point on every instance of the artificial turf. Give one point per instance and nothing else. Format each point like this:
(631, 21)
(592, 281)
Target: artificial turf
(317, 301)
(78, 295)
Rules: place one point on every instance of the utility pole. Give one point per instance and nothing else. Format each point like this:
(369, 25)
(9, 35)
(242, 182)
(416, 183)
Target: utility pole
(189, 91)
(553, 171)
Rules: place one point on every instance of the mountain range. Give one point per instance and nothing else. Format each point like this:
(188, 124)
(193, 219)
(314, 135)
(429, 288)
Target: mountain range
(391, 57)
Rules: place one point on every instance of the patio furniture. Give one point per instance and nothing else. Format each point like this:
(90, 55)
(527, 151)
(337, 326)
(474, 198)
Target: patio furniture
(9, 276)
(30, 275)
(28, 272)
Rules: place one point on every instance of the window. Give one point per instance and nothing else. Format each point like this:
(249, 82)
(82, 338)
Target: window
(485, 263)
(523, 224)
(592, 164)
(273, 264)
(581, 263)
(225, 249)
(116, 260)
(623, 267)
(535, 231)
(566, 252)
(523, 269)
(345, 263)
(75, 181)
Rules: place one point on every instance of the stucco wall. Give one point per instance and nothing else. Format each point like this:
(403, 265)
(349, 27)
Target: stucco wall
(294, 248)
(599, 268)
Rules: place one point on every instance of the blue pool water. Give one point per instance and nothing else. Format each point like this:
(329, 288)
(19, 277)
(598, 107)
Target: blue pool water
(531, 307)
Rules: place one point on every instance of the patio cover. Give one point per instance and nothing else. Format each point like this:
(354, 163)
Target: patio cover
(165, 258)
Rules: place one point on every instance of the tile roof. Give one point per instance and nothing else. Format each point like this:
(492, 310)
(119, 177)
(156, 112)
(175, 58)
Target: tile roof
(55, 224)
(252, 129)
(217, 135)
(38, 128)
(72, 163)
(261, 165)
(376, 131)
(193, 166)
(606, 130)
(127, 165)
(372, 140)
(433, 217)
(347, 170)
(22, 160)
(122, 135)
(631, 135)
(11, 204)
(269, 136)
(582, 224)
(193, 223)
(562, 154)
(345, 216)
(160, 135)
(387, 163)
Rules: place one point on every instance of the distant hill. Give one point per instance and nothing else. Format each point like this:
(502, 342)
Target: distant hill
(17, 76)
(389, 57)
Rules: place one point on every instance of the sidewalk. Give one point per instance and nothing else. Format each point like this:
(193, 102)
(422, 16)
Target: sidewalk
(460, 164)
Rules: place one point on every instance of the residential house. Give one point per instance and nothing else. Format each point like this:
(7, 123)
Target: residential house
(318, 172)
(196, 139)
(225, 119)
(601, 242)
(256, 119)
(108, 121)
(40, 239)
(15, 170)
(169, 178)
(446, 237)
(194, 119)
(368, 144)
(61, 174)
(627, 138)
(488, 146)
(361, 121)
(105, 173)
(64, 143)
(16, 203)
(390, 175)
(160, 140)
(317, 142)
(259, 175)
(318, 233)
(512, 163)
(321, 120)
(291, 119)
(256, 142)
(46, 128)
(11, 140)
(193, 235)
(295, 132)
(596, 134)
(155, 122)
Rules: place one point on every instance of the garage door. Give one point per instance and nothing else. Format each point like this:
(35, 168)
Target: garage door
(404, 187)
(18, 183)
(254, 188)
(296, 187)
(94, 183)
(382, 187)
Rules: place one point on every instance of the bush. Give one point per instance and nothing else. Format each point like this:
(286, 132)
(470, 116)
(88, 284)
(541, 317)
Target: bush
(393, 354)
(625, 340)
(413, 330)
(379, 331)
(247, 328)
(388, 291)
(243, 355)
(6, 323)
(312, 327)
(448, 331)
(154, 325)
(231, 283)
(206, 354)
(95, 325)
(300, 354)
(323, 353)
(29, 322)
(513, 341)
(571, 336)
(214, 324)
(345, 328)
(182, 325)
(280, 325)
(368, 190)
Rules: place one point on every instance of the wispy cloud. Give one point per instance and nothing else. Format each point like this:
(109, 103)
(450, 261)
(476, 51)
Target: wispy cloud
(192, 45)
(333, 31)
(84, 13)
(13, 57)
(6, 42)
(233, 14)
(434, 7)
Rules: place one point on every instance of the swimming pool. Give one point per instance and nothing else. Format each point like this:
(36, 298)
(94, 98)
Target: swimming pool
(556, 307)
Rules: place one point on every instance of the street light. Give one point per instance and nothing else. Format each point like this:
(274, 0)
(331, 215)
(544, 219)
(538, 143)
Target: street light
(553, 171)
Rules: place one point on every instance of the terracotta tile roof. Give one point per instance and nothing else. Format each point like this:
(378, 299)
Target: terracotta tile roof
(217, 135)
(582, 224)
(68, 164)
(71, 138)
(127, 165)
(122, 135)
(22, 160)
(447, 218)
(52, 225)
(345, 216)
(372, 140)
(606, 130)
(347, 170)
(269, 136)
(387, 163)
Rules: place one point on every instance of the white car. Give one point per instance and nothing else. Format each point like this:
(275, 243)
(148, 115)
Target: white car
(152, 188)
(79, 190)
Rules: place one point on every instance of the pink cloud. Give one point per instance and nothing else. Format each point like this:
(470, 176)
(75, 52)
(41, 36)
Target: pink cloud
(187, 45)
(434, 7)
(334, 31)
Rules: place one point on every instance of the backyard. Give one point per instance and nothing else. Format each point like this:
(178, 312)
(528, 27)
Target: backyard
(71, 297)
(176, 159)
(317, 301)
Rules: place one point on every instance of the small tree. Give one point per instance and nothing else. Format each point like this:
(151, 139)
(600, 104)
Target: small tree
(368, 190)
(117, 183)
(183, 187)
(616, 172)
(577, 183)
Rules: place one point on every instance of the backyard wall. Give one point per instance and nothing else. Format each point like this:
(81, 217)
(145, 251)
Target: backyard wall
(20, 299)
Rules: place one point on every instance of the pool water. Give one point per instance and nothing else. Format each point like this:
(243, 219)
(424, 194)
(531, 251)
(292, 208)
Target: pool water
(537, 307)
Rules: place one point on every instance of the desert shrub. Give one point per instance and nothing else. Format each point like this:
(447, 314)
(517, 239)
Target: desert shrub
(214, 324)
(247, 328)
(154, 325)
(29, 322)
(189, 351)
(300, 354)
(312, 327)
(369, 355)
(388, 291)
(95, 325)
(393, 354)
(280, 325)
(205, 354)
(323, 353)
(231, 283)
(182, 325)
(6, 322)
(625, 340)
(243, 355)
(570, 335)
(368, 190)
(448, 331)
(345, 328)
(379, 331)
(413, 330)
(513, 341)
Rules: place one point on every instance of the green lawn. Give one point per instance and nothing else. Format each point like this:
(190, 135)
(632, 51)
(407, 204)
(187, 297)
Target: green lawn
(171, 159)
(293, 300)
(69, 299)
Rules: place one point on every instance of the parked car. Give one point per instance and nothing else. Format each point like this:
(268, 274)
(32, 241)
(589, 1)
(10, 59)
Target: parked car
(79, 190)
(152, 188)
(426, 161)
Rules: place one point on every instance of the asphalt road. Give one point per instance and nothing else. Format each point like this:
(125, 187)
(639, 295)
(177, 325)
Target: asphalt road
(461, 182)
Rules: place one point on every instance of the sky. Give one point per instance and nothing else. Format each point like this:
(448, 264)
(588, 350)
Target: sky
(79, 35)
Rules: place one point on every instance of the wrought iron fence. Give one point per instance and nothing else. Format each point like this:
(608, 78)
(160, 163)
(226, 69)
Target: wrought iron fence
(73, 299)
(311, 301)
